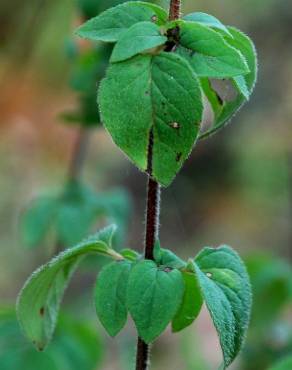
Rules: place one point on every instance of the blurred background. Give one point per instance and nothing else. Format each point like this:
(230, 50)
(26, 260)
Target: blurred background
(55, 159)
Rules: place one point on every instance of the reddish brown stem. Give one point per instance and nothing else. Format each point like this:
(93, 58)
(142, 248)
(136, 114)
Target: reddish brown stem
(152, 215)
(174, 9)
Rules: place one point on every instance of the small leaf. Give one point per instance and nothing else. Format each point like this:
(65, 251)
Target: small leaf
(226, 289)
(130, 254)
(37, 220)
(139, 38)
(158, 94)
(191, 304)
(110, 296)
(111, 24)
(153, 298)
(243, 43)
(170, 259)
(40, 298)
(206, 20)
(208, 52)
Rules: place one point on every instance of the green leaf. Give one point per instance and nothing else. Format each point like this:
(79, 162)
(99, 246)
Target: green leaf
(226, 289)
(208, 52)
(191, 304)
(130, 254)
(139, 38)
(153, 298)
(244, 44)
(40, 298)
(37, 220)
(110, 296)
(158, 94)
(111, 24)
(207, 20)
(170, 259)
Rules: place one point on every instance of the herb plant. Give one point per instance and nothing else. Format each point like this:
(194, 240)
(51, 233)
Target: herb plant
(163, 67)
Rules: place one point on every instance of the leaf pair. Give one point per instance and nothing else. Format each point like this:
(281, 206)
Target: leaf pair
(152, 96)
(154, 293)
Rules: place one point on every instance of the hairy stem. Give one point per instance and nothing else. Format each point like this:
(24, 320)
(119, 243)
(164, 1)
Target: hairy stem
(151, 234)
(174, 9)
(152, 214)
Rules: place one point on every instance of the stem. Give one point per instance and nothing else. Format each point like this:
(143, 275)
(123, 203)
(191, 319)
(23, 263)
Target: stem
(174, 9)
(151, 234)
(152, 214)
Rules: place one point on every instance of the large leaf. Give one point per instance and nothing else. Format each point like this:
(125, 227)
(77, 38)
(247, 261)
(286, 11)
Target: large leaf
(158, 94)
(40, 298)
(208, 52)
(207, 20)
(227, 292)
(111, 24)
(140, 37)
(245, 84)
(110, 296)
(191, 304)
(153, 298)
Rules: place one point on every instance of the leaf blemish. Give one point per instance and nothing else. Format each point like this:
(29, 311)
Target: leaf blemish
(154, 18)
(178, 156)
(42, 311)
(175, 125)
(209, 275)
(167, 269)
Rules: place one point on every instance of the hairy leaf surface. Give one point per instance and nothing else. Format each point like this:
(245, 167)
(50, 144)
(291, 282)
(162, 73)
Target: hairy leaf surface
(226, 290)
(191, 304)
(245, 84)
(208, 53)
(153, 93)
(110, 25)
(153, 298)
(207, 20)
(40, 298)
(110, 296)
(140, 37)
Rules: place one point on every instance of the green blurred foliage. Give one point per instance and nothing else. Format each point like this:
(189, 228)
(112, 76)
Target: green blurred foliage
(270, 333)
(76, 346)
(73, 214)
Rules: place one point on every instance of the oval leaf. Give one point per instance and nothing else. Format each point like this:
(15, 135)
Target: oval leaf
(207, 20)
(111, 24)
(110, 296)
(191, 304)
(243, 43)
(153, 93)
(39, 300)
(226, 289)
(208, 52)
(138, 38)
(153, 298)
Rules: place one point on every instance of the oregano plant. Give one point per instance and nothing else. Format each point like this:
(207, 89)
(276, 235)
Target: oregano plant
(163, 68)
